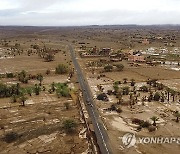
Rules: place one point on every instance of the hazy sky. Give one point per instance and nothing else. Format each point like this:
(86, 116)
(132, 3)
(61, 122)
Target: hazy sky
(88, 12)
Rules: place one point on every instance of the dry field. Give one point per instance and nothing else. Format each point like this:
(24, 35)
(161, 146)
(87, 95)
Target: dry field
(40, 125)
(143, 73)
(40, 122)
(118, 124)
(34, 63)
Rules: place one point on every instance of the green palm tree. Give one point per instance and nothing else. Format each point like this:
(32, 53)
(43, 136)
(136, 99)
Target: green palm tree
(14, 98)
(119, 96)
(168, 90)
(29, 91)
(40, 79)
(177, 115)
(23, 98)
(173, 94)
(53, 87)
(17, 89)
(116, 87)
(37, 89)
(154, 119)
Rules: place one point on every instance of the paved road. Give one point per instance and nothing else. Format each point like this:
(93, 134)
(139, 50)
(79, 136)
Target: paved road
(101, 134)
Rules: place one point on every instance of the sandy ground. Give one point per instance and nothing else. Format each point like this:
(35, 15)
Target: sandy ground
(119, 124)
(40, 121)
(42, 117)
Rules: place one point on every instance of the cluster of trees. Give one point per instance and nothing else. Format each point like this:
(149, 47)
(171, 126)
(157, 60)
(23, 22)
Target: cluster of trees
(158, 96)
(146, 124)
(109, 68)
(24, 77)
(47, 54)
(8, 91)
(126, 89)
(18, 93)
(114, 107)
(61, 89)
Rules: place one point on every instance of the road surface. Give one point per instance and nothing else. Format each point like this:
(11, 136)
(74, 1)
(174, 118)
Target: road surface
(101, 134)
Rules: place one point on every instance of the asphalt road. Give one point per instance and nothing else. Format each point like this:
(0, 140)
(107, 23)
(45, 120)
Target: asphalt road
(101, 134)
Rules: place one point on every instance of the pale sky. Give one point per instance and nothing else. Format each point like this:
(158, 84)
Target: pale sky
(88, 12)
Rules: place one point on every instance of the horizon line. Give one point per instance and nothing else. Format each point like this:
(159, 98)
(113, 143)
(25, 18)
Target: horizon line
(90, 25)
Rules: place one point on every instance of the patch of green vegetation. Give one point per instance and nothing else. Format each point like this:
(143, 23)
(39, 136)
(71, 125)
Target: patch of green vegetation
(61, 69)
(16, 90)
(69, 125)
(172, 57)
(62, 89)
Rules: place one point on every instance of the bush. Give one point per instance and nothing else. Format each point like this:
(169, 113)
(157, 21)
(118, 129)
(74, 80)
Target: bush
(151, 128)
(11, 137)
(145, 124)
(113, 107)
(48, 72)
(119, 110)
(102, 97)
(9, 75)
(109, 92)
(144, 88)
(62, 89)
(69, 125)
(49, 57)
(108, 68)
(137, 121)
(67, 105)
(61, 69)
(157, 96)
(120, 67)
(125, 90)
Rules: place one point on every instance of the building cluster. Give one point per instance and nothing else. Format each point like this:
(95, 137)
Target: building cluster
(140, 56)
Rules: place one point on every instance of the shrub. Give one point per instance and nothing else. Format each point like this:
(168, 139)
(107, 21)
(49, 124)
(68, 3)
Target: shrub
(61, 69)
(144, 88)
(137, 121)
(48, 72)
(102, 97)
(113, 107)
(151, 128)
(120, 67)
(49, 57)
(145, 124)
(125, 90)
(67, 105)
(11, 137)
(69, 125)
(108, 68)
(62, 90)
(157, 96)
(119, 110)
(109, 92)
(9, 75)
